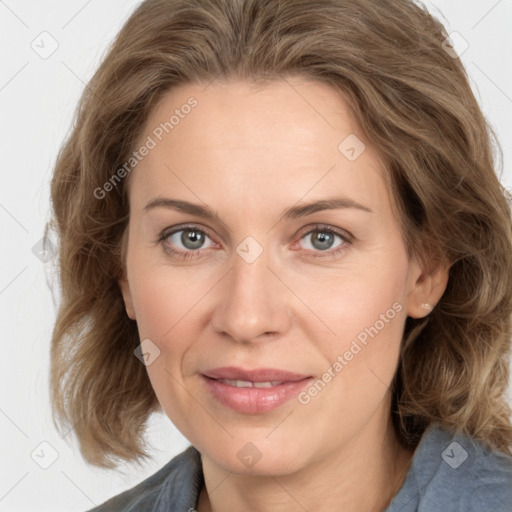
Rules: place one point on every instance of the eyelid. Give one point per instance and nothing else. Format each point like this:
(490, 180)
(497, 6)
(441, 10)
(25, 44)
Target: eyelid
(182, 227)
(180, 254)
(318, 226)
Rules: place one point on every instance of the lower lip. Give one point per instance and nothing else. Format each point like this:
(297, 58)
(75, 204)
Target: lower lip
(254, 400)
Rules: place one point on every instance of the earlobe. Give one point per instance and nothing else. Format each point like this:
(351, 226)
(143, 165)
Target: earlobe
(127, 297)
(426, 289)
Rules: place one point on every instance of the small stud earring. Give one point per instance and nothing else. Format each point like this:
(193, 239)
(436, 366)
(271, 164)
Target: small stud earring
(426, 305)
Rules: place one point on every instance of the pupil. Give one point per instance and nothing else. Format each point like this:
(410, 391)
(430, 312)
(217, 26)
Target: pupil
(192, 239)
(324, 240)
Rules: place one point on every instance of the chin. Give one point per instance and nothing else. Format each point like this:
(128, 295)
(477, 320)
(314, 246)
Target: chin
(256, 455)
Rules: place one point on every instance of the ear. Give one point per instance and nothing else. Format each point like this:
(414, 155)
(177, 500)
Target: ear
(127, 297)
(426, 285)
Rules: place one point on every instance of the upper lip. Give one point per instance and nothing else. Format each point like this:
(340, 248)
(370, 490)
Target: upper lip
(255, 375)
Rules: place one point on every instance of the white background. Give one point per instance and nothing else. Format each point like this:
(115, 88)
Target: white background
(37, 100)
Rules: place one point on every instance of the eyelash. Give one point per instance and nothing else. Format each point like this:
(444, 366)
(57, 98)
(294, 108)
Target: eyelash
(188, 255)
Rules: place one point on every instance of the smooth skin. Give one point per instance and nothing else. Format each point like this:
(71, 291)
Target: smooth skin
(250, 153)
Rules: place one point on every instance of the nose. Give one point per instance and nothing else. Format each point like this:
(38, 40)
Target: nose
(252, 303)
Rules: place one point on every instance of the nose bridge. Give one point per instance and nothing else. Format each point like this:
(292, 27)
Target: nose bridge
(252, 303)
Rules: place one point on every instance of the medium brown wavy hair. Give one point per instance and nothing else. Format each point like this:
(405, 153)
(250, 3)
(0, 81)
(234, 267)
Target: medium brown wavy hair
(412, 100)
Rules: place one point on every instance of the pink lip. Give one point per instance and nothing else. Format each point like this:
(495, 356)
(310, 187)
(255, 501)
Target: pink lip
(253, 400)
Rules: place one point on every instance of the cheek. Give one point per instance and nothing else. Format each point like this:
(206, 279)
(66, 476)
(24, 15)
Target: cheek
(168, 307)
(358, 299)
(165, 314)
(163, 296)
(372, 318)
(361, 359)
(365, 311)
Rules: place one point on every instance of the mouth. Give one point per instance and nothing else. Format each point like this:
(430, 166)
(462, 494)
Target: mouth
(253, 391)
(250, 384)
(257, 375)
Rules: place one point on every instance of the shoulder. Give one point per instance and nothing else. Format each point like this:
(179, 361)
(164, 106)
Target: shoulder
(451, 471)
(491, 480)
(176, 486)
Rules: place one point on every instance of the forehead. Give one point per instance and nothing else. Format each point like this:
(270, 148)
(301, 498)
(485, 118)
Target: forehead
(280, 141)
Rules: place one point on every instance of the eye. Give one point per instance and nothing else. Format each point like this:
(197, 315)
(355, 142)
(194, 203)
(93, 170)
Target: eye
(325, 239)
(189, 238)
(186, 241)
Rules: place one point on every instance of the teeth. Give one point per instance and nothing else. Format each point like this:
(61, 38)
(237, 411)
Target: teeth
(262, 384)
(250, 384)
(238, 383)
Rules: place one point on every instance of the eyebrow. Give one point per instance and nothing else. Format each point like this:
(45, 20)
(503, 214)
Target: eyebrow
(293, 212)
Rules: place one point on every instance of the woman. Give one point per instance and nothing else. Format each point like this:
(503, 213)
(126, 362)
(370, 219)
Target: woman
(280, 224)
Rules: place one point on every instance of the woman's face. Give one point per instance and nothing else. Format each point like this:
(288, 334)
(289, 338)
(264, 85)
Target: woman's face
(229, 272)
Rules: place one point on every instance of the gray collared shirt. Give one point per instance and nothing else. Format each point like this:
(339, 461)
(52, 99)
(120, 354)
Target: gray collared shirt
(449, 472)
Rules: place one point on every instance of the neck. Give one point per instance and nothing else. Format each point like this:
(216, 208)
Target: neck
(363, 474)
